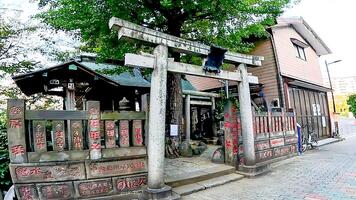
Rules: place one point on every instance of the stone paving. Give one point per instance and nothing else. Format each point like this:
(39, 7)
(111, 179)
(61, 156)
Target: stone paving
(325, 174)
(179, 166)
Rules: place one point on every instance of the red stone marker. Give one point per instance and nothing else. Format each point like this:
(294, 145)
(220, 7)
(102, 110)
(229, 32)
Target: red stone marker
(124, 133)
(94, 129)
(110, 136)
(59, 142)
(16, 130)
(77, 134)
(39, 136)
(137, 133)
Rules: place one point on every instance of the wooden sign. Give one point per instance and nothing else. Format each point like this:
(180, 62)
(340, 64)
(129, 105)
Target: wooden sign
(39, 136)
(16, 130)
(124, 133)
(110, 136)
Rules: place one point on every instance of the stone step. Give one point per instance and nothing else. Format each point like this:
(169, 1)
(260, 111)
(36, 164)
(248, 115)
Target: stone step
(202, 185)
(199, 175)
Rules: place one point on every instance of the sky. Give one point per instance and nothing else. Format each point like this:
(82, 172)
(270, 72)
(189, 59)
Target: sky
(332, 20)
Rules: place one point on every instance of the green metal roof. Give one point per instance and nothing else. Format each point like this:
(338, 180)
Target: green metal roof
(124, 79)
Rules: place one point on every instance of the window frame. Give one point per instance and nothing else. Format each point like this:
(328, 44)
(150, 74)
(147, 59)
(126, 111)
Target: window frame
(300, 52)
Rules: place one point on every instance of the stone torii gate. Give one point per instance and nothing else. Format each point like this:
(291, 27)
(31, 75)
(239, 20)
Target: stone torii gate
(160, 63)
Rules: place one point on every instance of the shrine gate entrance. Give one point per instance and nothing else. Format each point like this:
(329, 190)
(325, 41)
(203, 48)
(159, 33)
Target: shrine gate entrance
(161, 64)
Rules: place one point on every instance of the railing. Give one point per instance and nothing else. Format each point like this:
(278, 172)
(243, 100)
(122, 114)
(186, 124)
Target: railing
(275, 135)
(48, 135)
(76, 154)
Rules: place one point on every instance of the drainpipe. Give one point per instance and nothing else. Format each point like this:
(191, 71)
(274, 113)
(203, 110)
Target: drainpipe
(279, 75)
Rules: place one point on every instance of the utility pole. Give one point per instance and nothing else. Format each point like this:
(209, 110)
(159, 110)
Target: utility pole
(336, 124)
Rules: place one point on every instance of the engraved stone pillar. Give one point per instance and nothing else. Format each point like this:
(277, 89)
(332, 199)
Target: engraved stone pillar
(59, 142)
(246, 118)
(137, 133)
(16, 130)
(93, 108)
(187, 117)
(39, 136)
(110, 136)
(124, 133)
(77, 134)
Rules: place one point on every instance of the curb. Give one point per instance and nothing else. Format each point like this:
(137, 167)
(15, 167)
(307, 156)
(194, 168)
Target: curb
(331, 142)
(203, 185)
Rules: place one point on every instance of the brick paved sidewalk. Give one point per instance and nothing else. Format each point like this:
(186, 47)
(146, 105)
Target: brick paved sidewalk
(326, 174)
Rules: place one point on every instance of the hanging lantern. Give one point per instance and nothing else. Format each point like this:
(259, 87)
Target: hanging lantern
(215, 59)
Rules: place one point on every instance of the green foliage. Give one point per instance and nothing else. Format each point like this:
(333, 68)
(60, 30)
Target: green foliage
(229, 23)
(351, 101)
(220, 105)
(5, 180)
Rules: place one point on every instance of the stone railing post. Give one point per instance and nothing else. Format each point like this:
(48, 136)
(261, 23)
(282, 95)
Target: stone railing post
(93, 108)
(16, 130)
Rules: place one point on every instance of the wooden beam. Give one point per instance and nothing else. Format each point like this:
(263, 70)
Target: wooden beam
(123, 115)
(55, 115)
(133, 31)
(202, 103)
(202, 94)
(147, 61)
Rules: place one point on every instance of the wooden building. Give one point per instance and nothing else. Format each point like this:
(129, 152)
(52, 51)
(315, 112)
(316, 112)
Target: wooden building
(290, 74)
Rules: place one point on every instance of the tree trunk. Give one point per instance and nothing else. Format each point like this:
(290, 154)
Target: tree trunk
(174, 111)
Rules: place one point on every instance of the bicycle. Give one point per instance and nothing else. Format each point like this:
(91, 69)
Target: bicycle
(309, 138)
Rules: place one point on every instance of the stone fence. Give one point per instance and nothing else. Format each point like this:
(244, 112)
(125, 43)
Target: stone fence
(76, 154)
(275, 136)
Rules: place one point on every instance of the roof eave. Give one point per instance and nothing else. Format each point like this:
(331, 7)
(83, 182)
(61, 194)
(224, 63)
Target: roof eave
(303, 28)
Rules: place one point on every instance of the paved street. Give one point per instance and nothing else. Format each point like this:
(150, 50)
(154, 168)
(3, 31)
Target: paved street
(326, 174)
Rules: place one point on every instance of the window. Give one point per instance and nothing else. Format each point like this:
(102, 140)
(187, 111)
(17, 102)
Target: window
(300, 53)
(299, 47)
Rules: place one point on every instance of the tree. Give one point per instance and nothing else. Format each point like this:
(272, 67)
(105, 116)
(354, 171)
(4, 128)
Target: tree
(227, 23)
(351, 101)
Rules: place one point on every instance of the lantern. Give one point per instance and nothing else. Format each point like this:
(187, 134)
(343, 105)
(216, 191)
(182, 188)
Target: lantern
(215, 59)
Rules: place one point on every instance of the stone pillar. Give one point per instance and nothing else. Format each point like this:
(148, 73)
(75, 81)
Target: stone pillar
(187, 117)
(215, 133)
(156, 189)
(246, 117)
(157, 122)
(16, 130)
(94, 129)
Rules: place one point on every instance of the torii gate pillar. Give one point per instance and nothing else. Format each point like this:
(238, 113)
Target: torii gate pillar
(246, 118)
(156, 189)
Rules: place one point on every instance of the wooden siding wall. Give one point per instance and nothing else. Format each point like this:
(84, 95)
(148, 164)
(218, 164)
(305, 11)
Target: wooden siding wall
(267, 74)
(290, 65)
(302, 101)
